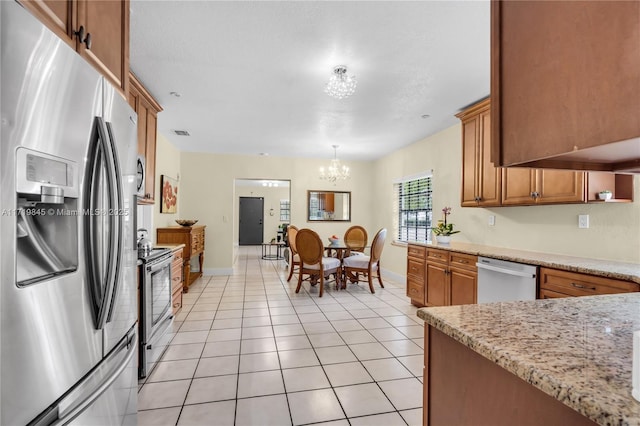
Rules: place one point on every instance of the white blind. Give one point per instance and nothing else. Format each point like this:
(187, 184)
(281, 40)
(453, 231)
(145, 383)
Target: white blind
(414, 208)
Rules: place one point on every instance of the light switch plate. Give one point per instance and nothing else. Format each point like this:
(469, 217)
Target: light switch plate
(583, 221)
(492, 220)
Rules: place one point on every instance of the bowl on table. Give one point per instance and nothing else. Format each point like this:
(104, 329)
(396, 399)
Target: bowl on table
(334, 240)
(186, 222)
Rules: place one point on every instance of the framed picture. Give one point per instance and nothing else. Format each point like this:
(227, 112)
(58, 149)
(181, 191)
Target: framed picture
(169, 197)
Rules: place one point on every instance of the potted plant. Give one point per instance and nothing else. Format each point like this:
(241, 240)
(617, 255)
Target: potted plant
(444, 230)
(605, 195)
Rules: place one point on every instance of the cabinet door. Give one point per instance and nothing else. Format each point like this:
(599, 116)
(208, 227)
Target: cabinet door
(470, 154)
(559, 186)
(489, 176)
(517, 186)
(57, 15)
(437, 284)
(150, 154)
(557, 97)
(108, 23)
(464, 287)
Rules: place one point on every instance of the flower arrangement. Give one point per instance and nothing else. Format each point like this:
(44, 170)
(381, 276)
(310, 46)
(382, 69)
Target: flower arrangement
(444, 228)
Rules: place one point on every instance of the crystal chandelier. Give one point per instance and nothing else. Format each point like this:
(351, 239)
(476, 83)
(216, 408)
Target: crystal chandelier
(340, 84)
(336, 171)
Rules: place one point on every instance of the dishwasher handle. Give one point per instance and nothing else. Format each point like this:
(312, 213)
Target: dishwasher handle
(505, 271)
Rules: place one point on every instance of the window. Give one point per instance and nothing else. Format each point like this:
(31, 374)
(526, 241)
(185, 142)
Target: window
(285, 211)
(414, 209)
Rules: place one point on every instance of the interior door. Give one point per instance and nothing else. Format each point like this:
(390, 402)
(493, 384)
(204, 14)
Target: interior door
(251, 225)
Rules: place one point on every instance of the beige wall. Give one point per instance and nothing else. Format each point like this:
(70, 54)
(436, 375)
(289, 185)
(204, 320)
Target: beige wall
(207, 185)
(167, 163)
(207, 193)
(614, 231)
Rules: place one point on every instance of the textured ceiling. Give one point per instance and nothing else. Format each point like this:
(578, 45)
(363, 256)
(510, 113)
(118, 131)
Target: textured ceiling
(251, 74)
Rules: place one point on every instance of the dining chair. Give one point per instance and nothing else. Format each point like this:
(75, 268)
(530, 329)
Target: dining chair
(313, 263)
(367, 265)
(294, 260)
(356, 239)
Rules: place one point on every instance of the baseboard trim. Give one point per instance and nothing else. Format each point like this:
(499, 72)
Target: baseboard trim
(218, 271)
(393, 276)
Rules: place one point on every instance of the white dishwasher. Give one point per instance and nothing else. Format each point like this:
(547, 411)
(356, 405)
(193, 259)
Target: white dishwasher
(503, 281)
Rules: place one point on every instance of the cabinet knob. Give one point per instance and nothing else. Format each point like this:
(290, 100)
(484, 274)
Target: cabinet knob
(80, 34)
(87, 41)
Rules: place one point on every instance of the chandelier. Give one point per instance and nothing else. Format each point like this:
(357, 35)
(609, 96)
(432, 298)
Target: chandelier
(340, 84)
(336, 170)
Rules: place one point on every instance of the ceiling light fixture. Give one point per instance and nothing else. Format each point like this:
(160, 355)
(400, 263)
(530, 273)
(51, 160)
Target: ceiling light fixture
(336, 170)
(340, 84)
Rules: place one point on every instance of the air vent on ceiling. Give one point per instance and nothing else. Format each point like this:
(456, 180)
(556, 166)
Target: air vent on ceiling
(181, 132)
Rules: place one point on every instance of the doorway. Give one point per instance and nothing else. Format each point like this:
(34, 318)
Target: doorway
(251, 226)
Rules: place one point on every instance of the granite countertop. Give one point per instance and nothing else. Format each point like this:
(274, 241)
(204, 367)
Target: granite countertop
(576, 349)
(605, 268)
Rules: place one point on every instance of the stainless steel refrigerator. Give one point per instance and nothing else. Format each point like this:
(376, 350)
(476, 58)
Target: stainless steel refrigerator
(68, 303)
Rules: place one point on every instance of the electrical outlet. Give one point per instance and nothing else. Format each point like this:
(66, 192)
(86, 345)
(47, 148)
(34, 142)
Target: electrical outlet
(583, 221)
(492, 220)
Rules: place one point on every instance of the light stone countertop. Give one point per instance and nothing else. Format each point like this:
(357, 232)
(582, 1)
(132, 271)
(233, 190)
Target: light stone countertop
(575, 349)
(605, 268)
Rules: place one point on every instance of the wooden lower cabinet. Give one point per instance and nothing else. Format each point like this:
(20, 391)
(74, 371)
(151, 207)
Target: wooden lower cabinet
(451, 278)
(558, 283)
(437, 277)
(176, 280)
(193, 238)
(416, 274)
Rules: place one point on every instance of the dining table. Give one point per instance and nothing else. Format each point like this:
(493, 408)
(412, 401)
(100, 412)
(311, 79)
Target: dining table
(341, 249)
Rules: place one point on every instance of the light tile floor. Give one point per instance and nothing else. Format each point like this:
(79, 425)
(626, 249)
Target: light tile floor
(248, 350)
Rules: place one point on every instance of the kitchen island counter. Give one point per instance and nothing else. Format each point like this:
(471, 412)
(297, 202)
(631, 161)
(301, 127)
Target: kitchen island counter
(575, 350)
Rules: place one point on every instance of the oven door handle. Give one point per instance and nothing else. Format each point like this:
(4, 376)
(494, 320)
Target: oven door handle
(505, 271)
(159, 265)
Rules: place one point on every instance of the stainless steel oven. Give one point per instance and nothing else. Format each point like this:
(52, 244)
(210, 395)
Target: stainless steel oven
(155, 308)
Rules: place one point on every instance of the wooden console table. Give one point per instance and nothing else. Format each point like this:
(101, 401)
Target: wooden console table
(193, 239)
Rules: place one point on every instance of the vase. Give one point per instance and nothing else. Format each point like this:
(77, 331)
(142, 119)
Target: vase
(443, 239)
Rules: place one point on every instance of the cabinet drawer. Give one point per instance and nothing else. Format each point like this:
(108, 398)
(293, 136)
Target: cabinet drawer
(177, 258)
(416, 251)
(415, 290)
(575, 284)
(176, 280)
(435, 255)
(176, 301)
(415, 269)
(463, 261)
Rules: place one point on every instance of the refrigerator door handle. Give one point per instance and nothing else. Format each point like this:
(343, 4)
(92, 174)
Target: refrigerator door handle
(101, 256)
(117, 216)
(72, 405)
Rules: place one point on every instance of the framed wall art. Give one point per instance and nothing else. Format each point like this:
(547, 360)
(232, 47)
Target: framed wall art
(169, 187)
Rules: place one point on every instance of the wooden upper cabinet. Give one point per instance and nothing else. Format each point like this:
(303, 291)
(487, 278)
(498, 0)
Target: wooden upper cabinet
(481, 180)
(58, 15)
(107, 22)
(147, 108)
(97, 29)
(565, 84)
(522, 186)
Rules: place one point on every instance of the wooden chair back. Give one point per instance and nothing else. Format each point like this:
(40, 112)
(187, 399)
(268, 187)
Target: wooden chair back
(309, 246)
(356, 238)
(292, 232)
(378, 245)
